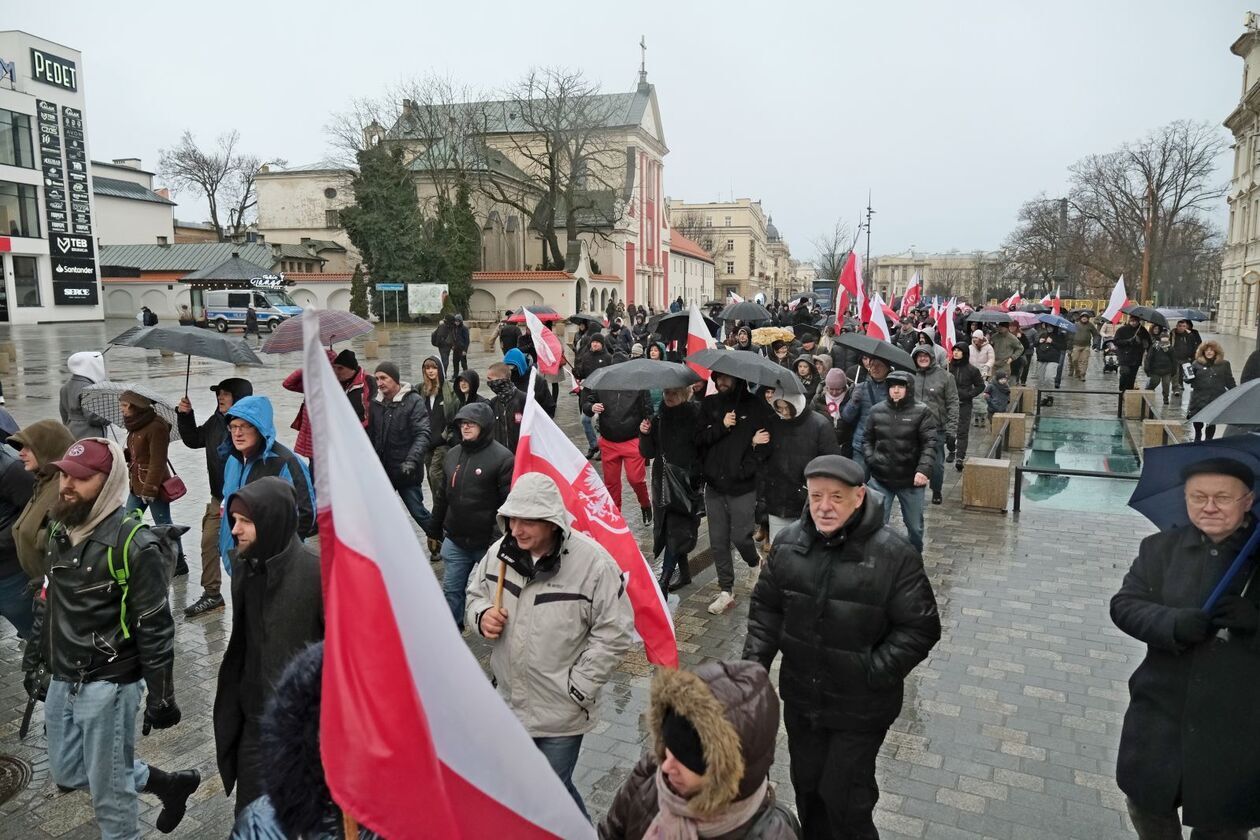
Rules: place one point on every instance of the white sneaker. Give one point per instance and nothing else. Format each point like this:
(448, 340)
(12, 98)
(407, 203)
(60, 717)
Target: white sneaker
(723, 602)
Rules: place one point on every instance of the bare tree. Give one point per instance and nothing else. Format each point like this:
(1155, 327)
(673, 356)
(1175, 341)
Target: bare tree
(697, 227)
(223, 176)
(833, 249)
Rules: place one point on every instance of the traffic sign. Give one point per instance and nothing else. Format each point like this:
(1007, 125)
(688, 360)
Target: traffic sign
(389, 287)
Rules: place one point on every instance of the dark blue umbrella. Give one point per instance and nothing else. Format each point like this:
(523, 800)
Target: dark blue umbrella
(1057, 321)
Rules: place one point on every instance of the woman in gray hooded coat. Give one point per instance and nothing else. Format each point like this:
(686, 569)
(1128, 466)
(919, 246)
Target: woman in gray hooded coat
(86, 368)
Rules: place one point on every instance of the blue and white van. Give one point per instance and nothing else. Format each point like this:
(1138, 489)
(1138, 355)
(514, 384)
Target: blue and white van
(226, 307)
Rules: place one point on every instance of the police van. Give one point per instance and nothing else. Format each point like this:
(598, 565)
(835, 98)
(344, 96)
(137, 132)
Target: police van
(227, 307)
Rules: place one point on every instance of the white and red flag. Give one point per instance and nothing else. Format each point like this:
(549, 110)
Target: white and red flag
(1012, 301)
(945, 326)
(850, 290)
(416, 742)
(913, 294)
(1118, 300)
(1045, 301)
(698, 338)
(543, 448)
(547, 347)
(1056, 305)
(734, 297)
(877, 327)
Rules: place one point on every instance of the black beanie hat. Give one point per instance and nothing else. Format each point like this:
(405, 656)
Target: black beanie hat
(389, 369)
(683, 741)
(347, 359)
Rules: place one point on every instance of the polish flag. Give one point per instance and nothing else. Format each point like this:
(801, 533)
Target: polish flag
(549, 350)
(914, 292)
(409, 724)
(877, 327)
(849, 290)
(1057, 306)
(543, 448)
(734, 298)
(698, 338)
(945, 326)
(1045, 301)
(1119, 299)
(1012, 301)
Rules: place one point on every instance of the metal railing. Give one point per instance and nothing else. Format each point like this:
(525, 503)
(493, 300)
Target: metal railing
(1020, 470)
(999, 440)
(1055, 392)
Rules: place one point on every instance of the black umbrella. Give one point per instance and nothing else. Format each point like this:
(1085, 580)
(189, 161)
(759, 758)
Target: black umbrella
(1087, 312)
(875, 348)
(1146, 313)
(193, 341)
(750, 367)
(1236, 407)
(804, 296)
(639, 374)
(1035, 308)
(596, 320)
(1185, 314)
(745, 310)
(989, 316)
(672, 326)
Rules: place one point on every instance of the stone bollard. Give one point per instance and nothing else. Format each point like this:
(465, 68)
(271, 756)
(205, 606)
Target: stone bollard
(5, 366)
(986, 484)
(474, 334)
(1153, 432)
(371, 349)
(1016, 430)
(9, 349)
(1023, 398)
(382, 338)
(1133, 400)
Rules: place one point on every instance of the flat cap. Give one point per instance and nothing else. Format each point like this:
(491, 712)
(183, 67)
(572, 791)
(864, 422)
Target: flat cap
(1220, 466)
(842, 469)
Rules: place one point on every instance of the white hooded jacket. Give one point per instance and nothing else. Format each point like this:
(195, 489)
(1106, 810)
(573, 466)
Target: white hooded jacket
(86, 368)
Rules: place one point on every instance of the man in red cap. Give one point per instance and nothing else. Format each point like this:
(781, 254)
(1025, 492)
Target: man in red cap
(107, 626)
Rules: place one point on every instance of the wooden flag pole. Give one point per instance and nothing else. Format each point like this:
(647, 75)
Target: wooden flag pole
(498, 590)
(351, 827)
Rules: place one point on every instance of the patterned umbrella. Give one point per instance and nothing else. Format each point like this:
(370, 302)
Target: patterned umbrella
(102, 399)
(334, 325)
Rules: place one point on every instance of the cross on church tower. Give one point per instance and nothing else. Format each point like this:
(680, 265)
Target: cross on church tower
(642, 59)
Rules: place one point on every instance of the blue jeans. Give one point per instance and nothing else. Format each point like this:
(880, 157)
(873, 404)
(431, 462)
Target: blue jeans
(562, 754)
(911, 499)
(92, 744)
(413, 499)
(588, 427)
(160, 510)
(457, 565)
(17, 604)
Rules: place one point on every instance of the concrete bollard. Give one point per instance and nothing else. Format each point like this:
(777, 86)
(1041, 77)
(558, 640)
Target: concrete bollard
(474, 334)
(5, 366)
(1016, 430)
(1023, 398)
(382, 338)
(1133, 403)
(1153, 432)
(371, 349)
(986, 484)
(9, 349)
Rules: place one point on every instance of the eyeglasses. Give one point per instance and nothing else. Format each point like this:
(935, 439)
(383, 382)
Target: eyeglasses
(1219, 500)
(239, 428)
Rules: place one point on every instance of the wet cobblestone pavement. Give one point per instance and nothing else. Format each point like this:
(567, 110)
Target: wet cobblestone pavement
(1009, 729)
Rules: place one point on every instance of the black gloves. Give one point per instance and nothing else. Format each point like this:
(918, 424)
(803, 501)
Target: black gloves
(160, 714)
(1191, 626)
(408, 469)
(1236, 613)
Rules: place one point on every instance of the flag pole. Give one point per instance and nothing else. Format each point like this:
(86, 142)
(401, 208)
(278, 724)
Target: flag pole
(498, 589)
(350, 825)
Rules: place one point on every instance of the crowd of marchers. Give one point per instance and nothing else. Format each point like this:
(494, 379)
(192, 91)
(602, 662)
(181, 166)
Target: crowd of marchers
(799, 482)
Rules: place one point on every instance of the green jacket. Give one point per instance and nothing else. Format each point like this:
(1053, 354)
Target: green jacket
(1084, 337)
(1005, 348)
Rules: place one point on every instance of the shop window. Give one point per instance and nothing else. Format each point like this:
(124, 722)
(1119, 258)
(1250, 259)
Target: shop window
(26, 281)
(19, 214)
(15, 140)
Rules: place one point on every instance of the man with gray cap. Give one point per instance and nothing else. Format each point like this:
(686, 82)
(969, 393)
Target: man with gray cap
(846, 600)
(1191, 735)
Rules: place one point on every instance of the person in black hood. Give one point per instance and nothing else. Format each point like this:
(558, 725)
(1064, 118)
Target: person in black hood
(591, 358)
(466, 387)
(970, 385)
(277, 609)
(478, 473)
(619, 414)
(509, 333)
(439, 398)
(669, 439)
(508, 404)
(848, 604)
(797, 436)
(210, 435)
(900, 446)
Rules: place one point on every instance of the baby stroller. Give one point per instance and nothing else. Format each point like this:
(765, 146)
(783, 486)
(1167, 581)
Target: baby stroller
(1111, 360)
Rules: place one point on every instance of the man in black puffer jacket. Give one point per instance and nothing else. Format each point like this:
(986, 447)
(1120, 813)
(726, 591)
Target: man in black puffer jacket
(900, 447)
(797, 436)
(619, 414)
(847, 602)
(478, 477)
(398, 426)
(970, 385)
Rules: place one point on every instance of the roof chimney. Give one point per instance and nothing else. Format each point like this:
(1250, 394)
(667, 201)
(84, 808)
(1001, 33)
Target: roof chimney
(130, 163)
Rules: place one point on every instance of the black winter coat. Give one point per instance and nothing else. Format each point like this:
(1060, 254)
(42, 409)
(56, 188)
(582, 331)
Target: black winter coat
(478, 478)
(853, 614)
(292, 615)
(16, 488)
(793, 444)
(622, 414)
(508, 411)
(1159, 360)
(730, 465)
(399, 430)
(1131, 344)
(211, 434)
(509, 337)
(1185, 345)
(673, 439)
(968, 379)
(1209, 382)
(900, 441)
(588, 361)
(1192, 729)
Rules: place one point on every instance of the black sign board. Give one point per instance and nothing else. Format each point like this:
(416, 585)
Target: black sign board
(74, 281)
(74, 247)
(54, 70)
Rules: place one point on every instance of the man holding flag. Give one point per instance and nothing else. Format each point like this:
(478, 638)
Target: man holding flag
(554, 606)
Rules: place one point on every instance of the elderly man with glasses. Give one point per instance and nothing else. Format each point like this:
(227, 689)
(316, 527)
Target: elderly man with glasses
(1191, 736)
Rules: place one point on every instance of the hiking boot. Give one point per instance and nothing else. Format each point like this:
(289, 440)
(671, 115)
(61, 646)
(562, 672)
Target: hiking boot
(683, 578)
(647, 515)
(959, 464)
(936, 498)
(173, 790)
(181, 566)
(723, 602)
(206, 603)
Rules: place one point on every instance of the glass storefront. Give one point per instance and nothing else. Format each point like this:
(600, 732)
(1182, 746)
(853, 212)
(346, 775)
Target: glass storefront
(25, 280)
(19, 210)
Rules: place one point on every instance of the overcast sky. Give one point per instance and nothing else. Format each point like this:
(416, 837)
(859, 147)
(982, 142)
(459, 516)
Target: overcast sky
(951, 113)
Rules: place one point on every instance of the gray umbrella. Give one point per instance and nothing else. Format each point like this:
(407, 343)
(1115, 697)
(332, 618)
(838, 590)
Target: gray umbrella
(750, 367)
(193, 341)
(639, 374)
(1236, 407)
(102, 399)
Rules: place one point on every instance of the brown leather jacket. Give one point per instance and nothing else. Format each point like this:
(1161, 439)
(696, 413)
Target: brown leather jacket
(736, 713)
(147, 442)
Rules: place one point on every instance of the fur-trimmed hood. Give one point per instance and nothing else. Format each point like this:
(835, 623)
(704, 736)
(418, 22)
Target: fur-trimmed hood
(735, 711)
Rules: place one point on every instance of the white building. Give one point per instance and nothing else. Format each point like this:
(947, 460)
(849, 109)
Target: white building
(47, 246)
(691, 270)
(303, 202)
(1239, 308)
(129, 211)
